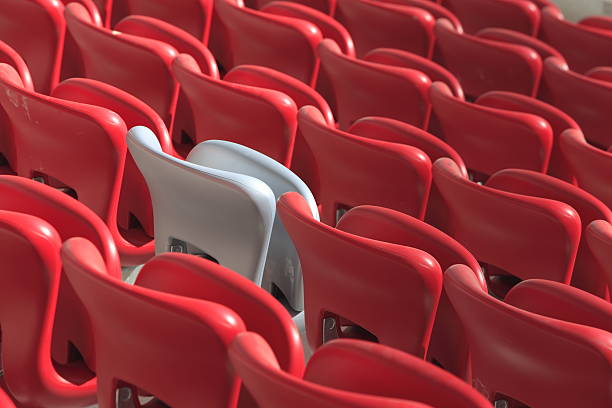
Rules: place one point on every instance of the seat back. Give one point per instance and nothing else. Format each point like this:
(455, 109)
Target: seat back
(9, 56)
(324, 6)
(262, 119)
(509, 345)
(599, 240)
(174, 347)
(490, 139)
(368, 89)
(513, 37)
(359, 170)
(42, 44)
(434, 8)
(193, 205)
(339, 281)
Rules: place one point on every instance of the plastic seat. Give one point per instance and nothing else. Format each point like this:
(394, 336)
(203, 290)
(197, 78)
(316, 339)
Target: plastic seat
(529, 359)
(348, 373)
(601, 73)
(78, 147)
(599, 240)
(432, 7)
(338, 282)
(364, 88)
(517, 15)
(245, 36)
(42, 45)
(513, 37)
(9, 56)
(587, 274)
(526, 237)
(5, 400)
(213, 213)
(324, 6)
(570, 40)
(582, 98)
(132, 324)
(282, 270)
(357, 170)
(375, 24)
(491, 139)
(601, 22)
(483, 65)
(102, 48)
(591, 166)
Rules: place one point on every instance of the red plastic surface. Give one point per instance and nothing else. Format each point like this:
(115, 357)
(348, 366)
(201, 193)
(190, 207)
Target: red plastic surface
(433, 8)
(324, 6)
(599, 239)
(601, 22)
(9, 56)
(514, 37)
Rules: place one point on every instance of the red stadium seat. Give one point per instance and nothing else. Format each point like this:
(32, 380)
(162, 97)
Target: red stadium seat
(483, 65)
(433, 8)
(5, 400)
(349, 374)
(490, 139)
(529, 359)
(324, 6)
(601, 22)
(258, 118)
(364, 88)
(513, 37)
(599, 239)
(355, 170)
(11, 57)
(601, 73)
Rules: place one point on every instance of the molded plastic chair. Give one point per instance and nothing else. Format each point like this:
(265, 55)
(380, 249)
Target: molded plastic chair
(349, 373)
(118, 59)
(35, 29)
(433, 8)
(357, 170)
(5, 400)
(601, 73)
(517, 15)
(348, 277)
(599, 240)
(527, 237)
(526, 357)
(514, 37)
(376, 24)
(245, 36)
(587, 274)
(364, 88)
(259, 118)
(324, 6)
(213, 213)
(582, 98)
(601, 22)
(282, 270)
(483, 65)
(490, 139)
(172, 346)
(582, 46)
(11, 57)
(592, 166)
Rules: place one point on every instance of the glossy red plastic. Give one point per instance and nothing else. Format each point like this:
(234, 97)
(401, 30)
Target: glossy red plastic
(188, 337)
(433, 8)
(349, 374)
(587, 274)
(376, 172)
(483, 65)
(9, 56)
(601, 73)
(262, 119)
(582, 98)
(592, 166)
(517, 15)
(527, 237)
(514, 37)
(557, 119)
(5, 400)
(338, 282)
(42, 47)
(364, 88)
(601, 22)
(376, 24)
(490, 139)
(599, 240)
(513, 350)
(324, 6)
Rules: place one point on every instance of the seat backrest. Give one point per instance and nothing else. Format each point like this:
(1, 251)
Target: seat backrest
(483, 65)
(601, 73)
(491, 139)
(259, 118)
(339, 283)
(517, 15)
(101, 48)
(600, 21)
(581, 97)
(364, 88)
(433, 8)
(556, 118)
(205, 211)
(514, 37)
(599, 240)
(375, 24)
(587, 274)
(528, 237)
(42, 44)
(569, 39)
(358, 170)
(132, 324)
(324, 6)
(9, 56)
(591, 166)
(512, 349)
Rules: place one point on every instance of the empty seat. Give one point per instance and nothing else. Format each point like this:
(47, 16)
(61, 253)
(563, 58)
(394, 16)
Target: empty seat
(599, 240)
(324, 6)
(395, 305)
(513, 37)
(355, 170)
(432, 7)
(348, 373)
(9, 56)
(483, 65)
